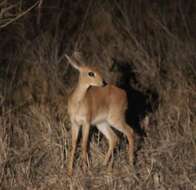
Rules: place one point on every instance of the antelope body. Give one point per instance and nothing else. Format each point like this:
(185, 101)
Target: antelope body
(92, 103)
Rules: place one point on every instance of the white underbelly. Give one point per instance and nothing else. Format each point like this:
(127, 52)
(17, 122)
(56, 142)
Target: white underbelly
(100, 118)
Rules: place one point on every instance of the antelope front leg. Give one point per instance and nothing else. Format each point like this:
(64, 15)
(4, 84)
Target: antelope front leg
(85, 135)
(74, 132)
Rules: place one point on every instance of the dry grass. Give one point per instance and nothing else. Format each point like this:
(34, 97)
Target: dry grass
(156, 41)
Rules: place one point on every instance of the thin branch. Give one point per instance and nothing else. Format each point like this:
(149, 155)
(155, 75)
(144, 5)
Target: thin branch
(19, 16)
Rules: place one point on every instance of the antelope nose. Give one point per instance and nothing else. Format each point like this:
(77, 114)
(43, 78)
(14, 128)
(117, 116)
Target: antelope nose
(104, 83)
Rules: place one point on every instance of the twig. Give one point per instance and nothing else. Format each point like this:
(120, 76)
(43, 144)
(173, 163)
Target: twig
(83, 24)
(39, 12)
(19, 16)
(4, 10)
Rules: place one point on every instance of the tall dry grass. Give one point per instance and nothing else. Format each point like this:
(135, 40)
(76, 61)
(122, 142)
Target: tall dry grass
(155, 40)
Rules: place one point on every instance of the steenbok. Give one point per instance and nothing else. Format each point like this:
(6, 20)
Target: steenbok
(93, 103)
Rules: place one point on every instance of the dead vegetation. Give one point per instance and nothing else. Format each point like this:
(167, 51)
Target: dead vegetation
(157, 42)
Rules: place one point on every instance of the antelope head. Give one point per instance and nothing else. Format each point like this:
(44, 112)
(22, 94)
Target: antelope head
(89, 76)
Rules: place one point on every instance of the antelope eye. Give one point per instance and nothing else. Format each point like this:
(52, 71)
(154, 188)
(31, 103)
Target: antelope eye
(91, 74)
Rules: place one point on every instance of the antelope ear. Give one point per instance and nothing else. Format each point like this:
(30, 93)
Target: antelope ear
(72, 62)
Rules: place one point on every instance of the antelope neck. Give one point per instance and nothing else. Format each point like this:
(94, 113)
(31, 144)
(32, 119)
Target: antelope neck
(79, 92)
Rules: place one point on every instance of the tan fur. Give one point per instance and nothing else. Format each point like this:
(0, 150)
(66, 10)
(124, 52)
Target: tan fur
(92, 104)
